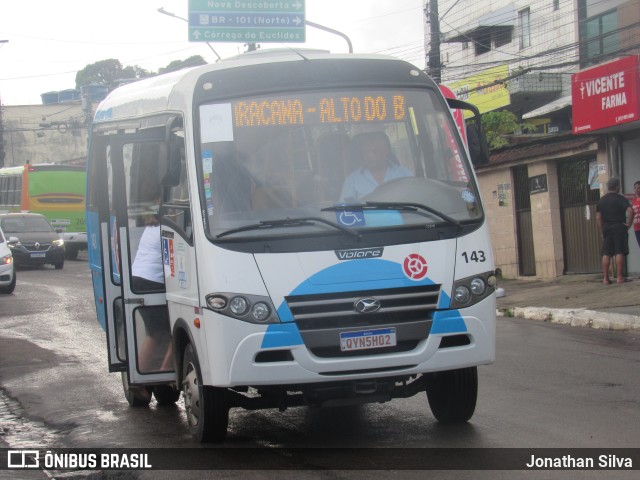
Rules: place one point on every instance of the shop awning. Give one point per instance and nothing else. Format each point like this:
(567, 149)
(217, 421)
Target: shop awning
(550, 107)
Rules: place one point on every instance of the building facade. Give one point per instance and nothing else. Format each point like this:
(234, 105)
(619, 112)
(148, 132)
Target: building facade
(522, 56)
(53, 133)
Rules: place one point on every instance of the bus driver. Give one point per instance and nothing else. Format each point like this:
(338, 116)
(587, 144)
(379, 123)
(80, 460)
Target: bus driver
(377, 166)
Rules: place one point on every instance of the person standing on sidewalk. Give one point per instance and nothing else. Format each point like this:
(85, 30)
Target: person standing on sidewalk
(635, 204)
(615, 217)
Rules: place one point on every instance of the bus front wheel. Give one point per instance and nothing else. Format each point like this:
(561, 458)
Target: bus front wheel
(452, 394)
(206, 407)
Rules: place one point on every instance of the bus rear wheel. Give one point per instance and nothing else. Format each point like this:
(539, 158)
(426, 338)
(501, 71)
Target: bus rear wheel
(452, 394)
(166, 394)
(206, 407)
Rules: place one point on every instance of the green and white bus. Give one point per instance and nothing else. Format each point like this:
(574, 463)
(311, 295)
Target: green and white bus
(53, 190)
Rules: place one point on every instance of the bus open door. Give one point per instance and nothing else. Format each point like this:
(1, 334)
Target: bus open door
(135, 318)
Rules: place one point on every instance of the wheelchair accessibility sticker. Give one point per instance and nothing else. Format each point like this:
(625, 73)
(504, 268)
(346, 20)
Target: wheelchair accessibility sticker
(351, 218)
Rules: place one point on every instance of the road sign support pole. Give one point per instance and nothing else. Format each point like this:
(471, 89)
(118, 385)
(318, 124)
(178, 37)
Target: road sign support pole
(331, 30)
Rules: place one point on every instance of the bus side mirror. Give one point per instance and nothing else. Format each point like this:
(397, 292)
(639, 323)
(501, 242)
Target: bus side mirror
(171, 177)
(476, 139)
(477, 143)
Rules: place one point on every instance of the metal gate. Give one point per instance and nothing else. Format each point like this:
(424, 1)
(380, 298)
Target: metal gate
(580, 236)
(526, 252)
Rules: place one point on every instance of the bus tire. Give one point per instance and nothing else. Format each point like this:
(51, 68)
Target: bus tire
(206, 407)
(166, 394)
(137, 396)
(452, 394)
(70, 253)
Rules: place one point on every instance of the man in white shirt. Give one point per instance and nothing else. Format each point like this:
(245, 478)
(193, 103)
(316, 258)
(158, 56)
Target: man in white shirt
(378, 166)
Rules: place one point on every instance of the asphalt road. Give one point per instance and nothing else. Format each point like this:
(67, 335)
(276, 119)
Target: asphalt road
(552, 386)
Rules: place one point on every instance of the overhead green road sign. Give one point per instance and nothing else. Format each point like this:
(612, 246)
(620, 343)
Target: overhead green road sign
(246, 21)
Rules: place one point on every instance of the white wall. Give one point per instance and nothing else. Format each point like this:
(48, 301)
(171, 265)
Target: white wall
(549, 30)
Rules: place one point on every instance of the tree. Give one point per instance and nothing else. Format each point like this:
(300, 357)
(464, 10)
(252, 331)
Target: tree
(193, 61)
(111, 73)
(498, 125)
(104, 72)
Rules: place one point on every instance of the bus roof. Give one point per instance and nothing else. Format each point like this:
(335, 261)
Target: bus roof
(171, 91)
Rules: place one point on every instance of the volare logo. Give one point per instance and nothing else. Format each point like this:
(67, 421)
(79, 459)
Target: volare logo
(375, 252)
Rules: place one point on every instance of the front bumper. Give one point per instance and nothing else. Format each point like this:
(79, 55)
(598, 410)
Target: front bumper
(22, 256)
(6, 274)
(240, 358)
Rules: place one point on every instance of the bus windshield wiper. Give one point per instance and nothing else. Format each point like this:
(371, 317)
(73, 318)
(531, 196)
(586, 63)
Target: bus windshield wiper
(289, 222)
(401, 206)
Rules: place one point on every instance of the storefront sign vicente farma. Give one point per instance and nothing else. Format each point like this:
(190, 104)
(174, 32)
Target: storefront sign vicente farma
(606, 95)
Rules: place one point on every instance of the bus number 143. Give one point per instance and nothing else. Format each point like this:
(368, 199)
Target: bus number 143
(475, 256)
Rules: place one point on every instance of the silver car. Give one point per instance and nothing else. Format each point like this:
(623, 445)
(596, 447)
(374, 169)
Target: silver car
(7, 267)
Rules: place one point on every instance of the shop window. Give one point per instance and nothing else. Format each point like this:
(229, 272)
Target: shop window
(599, 36)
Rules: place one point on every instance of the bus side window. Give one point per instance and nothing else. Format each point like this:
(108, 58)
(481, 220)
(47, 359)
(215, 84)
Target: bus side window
(176, 207)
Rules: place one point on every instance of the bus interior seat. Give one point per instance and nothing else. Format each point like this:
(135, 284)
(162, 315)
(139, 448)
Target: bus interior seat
(332, 151)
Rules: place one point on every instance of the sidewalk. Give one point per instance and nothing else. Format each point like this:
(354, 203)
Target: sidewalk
(579, 300)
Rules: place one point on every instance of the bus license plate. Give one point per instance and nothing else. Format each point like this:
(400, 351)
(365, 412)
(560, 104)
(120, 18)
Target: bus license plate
(367, 339)
(38, 255)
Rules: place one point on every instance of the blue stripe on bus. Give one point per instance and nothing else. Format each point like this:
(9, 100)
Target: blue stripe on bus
(281, 335)
(448, 321)
(348, 277)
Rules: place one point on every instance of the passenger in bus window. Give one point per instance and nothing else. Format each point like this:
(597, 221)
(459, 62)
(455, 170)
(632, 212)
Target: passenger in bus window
(376, 165)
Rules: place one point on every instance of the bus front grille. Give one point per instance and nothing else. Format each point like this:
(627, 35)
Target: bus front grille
(338, 310)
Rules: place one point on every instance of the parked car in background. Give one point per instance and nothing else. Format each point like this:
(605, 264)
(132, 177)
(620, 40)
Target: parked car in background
(36, 242)
(7, 267)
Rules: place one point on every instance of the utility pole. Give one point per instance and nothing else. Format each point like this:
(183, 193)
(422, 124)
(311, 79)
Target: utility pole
(434, 67)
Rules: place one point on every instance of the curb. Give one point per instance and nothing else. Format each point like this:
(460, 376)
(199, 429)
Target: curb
(574, 317)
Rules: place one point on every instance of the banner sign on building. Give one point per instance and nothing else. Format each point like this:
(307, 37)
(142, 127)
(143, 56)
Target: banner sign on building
(487, 90)
(605, 95)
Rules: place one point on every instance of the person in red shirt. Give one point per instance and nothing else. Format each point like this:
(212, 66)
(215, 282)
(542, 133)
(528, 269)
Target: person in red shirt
(636, 211)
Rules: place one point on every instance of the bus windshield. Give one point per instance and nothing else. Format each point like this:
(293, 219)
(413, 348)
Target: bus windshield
(313, 161)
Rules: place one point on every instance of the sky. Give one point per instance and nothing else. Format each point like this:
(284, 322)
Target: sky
(44, 43)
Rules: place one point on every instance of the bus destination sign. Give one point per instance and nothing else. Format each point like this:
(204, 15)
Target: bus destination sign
(253, 21)
(317, 109)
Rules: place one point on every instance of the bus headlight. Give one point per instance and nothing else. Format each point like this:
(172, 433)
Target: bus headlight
(216, 302)
(462, 294)
(478, 286)
(469, 291)
(260, 311)
(238, 305)
(248, 308)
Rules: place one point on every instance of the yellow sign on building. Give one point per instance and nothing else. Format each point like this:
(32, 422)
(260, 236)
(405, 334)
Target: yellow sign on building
(487, 90)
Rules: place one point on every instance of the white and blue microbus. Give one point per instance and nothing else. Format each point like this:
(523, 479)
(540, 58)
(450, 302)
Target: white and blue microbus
(322, 237)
